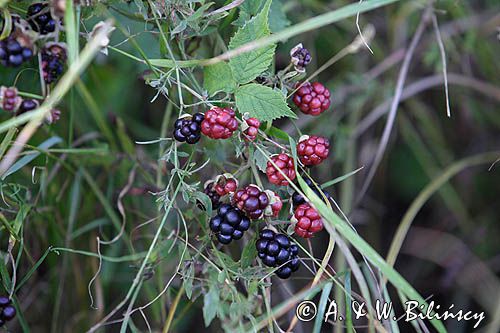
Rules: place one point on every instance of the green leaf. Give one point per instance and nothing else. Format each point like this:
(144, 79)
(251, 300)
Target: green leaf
(210, 305)
(218, 77)
(249, 253)
(248, 65)
(277, 17)
(262, 102)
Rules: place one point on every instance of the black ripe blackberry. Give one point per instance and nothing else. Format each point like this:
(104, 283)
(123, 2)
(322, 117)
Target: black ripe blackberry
(12, 53)
(229, 223)
(212, 194)
(276, 250)
(188, 129)
(53, 59)
(297, 199)
(28, 105)
(7, 311)
(40, 19)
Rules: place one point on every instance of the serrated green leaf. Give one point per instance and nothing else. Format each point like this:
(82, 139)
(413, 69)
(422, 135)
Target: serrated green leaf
(262, 102)
(218, 77)
(247, 66)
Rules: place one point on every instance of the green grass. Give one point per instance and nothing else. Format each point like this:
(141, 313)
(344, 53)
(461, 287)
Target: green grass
(100, 224)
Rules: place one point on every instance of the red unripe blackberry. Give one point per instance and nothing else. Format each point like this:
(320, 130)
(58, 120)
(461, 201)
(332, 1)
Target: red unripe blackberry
(251, 130)
(219, 123)
(312, 150)
(9, 100)
(308, 221)
(229, 223)
(285, 163)
(276, 250)
(225, 184)
(275, 204)
(251, 200)
(312, 99)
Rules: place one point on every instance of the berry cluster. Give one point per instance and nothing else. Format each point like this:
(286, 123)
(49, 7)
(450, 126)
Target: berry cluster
(308, 221)
(53, 59)
(28, 105)
(40, 19)
(276, 250)
(188, 129)
(312, 150)
(9, 100)
(312, 99)
(225, 184)
(275, 204)
(252, 129)
(252, 201)
(212, 194)
(12, 53)
(229, 223)
(284, 163)
(7, 311)
(300, 57)
(219, 123)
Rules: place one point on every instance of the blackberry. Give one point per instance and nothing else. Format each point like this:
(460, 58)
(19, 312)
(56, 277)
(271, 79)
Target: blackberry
(276, 250)
(7, 311)
(229, 223)
(53, 59)
(40, 18)
(188, 129)
(312, 150)
(298, 199)
(301, 57)
(307, 221)
(12, 53)
(219, 123)
(28, 105)
(9, 99)
(312, 98)
(285, 163)
(251, 200)
(212, 194)
(225, 184)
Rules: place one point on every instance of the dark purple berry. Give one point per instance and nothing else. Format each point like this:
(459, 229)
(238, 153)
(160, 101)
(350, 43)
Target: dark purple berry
(276, 250)
(188, 129)
(4, 301)
(8, 313)
(40, 19)
(229, 223)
